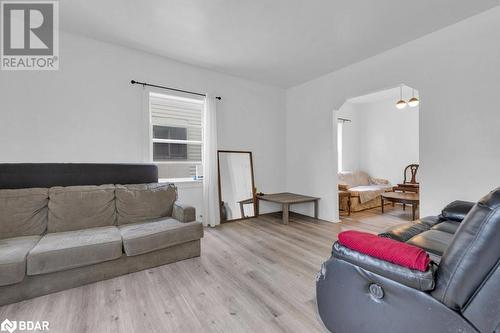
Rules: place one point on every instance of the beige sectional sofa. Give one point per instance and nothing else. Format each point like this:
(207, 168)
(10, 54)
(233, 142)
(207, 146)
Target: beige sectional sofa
(62, 237)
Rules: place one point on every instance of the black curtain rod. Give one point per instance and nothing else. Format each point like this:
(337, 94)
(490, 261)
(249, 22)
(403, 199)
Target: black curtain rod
(173, 89)
(344, 120)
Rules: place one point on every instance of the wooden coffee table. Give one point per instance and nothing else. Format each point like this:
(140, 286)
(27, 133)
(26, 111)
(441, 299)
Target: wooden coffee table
(404, 198)
(286, 199)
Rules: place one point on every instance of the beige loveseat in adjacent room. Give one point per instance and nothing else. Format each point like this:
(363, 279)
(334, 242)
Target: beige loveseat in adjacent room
(62, 237)
(365, 191)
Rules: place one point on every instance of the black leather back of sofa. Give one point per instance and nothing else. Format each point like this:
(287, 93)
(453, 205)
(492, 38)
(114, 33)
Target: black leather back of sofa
(26, 175)
(472, 256)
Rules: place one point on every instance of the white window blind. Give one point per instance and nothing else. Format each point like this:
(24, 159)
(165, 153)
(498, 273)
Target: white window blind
(176, 135)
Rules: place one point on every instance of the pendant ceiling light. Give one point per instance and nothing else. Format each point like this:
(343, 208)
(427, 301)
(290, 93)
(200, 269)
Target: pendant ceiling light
(401, 104)
(414, 100)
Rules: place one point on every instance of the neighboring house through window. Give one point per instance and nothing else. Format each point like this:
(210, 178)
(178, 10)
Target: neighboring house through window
(176, 135)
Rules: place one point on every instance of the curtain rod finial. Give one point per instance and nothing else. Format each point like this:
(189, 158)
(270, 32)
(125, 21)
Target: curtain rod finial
(133, 81)
(218, 97)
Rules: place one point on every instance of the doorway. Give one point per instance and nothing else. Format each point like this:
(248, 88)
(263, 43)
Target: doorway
(377, 138)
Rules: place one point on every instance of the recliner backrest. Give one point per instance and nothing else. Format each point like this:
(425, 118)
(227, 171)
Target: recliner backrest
(472, 255)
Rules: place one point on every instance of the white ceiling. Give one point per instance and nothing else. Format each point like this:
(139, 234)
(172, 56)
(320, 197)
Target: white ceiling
(281, 42)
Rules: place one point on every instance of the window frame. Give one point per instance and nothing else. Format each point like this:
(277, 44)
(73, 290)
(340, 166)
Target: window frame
(151, 140)
(340, 145)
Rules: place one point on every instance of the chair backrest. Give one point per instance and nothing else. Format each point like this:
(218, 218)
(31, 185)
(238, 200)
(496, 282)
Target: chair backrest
(410, 174)
(473, 255)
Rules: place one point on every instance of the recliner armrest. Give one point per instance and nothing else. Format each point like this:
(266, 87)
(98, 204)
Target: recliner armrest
(456, 210)
(343, 187)
(404, 232)
(423, 281)
(183, 213)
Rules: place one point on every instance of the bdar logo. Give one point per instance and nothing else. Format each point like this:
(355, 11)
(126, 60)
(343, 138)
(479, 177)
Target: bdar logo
(8, 326)
(24, 325)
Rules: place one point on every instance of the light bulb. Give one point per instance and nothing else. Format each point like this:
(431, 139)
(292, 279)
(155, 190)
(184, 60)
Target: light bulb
(401, 104)
(413, 102)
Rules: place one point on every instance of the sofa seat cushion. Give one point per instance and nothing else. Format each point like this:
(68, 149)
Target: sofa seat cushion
(447, 226)
(433, 241)
(150, 236)
(144, 202)
(13, 252)
(23, 212)
(431, 220)
(356, 190)
(80, 207)
(369, 192)
(70, 249)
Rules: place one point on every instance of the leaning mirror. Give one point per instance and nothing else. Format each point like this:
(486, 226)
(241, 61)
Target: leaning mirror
(236, 185)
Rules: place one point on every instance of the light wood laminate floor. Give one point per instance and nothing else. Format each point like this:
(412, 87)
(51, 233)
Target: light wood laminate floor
(255, 275)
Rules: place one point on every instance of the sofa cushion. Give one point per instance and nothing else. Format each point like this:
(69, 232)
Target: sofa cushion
(23, 212)
(79, 207)
(143, 202)
(404, 232)
(355, 178)
(13, 252)
(433, 241)
(146, 237)
(431, 220)
(457, 210)
(65, 250)
(447, 226)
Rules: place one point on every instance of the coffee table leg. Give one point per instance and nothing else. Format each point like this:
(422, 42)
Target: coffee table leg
(413, 208)
(285, 213)
(315, 209)
(382, 201)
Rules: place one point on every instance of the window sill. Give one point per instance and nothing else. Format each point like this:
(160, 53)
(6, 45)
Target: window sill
(179, 180)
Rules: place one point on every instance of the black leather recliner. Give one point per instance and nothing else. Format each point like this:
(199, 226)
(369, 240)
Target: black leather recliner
(357, 293)
(432, 233)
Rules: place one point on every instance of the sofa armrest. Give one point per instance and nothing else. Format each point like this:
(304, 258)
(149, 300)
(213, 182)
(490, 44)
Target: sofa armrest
(403, 232)
(343, 187)
(423, 281)
(456, 210)
(183, 213)
(379, 181)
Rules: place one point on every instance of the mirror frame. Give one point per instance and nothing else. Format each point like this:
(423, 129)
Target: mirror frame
(219, 183)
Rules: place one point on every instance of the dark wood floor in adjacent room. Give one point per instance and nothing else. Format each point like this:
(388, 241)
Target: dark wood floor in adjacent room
(255, 275)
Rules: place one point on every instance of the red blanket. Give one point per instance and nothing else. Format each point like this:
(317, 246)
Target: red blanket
(398, 253)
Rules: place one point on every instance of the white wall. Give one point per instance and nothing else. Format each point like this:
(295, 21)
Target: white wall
(456, 71)
(389, 139)
(89, 112)
(351, 137)
(380, 139)
(191, 193)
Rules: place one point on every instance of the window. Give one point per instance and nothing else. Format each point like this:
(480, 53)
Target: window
(340, 136)
(176, 135)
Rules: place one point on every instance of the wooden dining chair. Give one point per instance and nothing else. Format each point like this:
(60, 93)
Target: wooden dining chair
(411, 172)
(410, 183)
